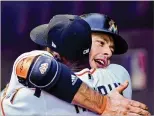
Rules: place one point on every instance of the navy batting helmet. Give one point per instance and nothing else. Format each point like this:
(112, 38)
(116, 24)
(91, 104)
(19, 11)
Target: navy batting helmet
(69, 35)
(102, 23)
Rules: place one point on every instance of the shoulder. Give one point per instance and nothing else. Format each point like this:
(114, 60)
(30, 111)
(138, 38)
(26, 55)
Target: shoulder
(30, 54)
(24, 62)
(116, 67)
(119, 70)
(85, 71)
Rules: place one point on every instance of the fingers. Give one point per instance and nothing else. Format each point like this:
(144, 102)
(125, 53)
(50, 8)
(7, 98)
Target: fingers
(138, 104)
(139, 111)
(122, 87)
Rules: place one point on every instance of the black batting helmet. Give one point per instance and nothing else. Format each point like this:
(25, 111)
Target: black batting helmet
(102, 23)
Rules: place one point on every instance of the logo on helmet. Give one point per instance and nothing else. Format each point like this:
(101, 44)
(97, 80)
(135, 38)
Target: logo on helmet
(86, 51)
(112, 27)
(53, 45)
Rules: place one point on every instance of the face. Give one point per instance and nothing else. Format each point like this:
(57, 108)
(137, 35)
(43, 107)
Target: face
(101, 50)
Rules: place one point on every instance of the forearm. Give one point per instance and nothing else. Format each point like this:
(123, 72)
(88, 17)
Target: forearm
(90, 99)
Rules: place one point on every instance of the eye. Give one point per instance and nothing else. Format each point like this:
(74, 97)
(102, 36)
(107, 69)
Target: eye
(101, 43)
(112, 49)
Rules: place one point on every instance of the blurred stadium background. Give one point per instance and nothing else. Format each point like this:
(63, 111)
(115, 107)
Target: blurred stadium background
(135, 20)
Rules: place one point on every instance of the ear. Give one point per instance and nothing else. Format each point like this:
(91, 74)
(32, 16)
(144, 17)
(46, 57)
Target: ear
(56, 56)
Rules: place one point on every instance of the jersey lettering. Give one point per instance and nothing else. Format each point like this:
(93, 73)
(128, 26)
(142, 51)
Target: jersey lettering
(105, 89)
(102, 90)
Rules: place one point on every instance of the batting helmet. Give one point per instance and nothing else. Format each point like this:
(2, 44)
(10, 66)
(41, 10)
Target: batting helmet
(69, 35)
(102, 23)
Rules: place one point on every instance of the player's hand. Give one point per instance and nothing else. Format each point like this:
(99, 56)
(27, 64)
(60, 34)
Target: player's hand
(117, 105)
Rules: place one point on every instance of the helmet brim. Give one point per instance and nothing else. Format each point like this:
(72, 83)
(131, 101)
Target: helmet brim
(39, 35)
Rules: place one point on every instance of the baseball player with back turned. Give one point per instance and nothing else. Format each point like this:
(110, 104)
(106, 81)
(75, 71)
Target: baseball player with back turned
(37, 70)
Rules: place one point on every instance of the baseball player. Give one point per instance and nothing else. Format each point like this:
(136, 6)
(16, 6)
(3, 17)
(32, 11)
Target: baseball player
(37, 70)
(105, 42)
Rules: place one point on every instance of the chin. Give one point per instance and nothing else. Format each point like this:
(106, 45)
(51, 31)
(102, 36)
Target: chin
(93, 66)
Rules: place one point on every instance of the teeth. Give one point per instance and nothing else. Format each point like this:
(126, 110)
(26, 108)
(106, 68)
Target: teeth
(101, 61)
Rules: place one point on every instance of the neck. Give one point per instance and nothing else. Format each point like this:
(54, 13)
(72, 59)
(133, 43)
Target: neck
(78, 65)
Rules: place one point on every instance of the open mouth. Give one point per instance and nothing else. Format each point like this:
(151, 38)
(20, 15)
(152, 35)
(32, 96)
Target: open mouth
(101, 63)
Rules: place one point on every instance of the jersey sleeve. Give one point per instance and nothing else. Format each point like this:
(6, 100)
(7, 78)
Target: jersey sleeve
(42, 71)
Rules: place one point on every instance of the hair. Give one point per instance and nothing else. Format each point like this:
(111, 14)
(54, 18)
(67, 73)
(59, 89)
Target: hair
(78, 65)
(39, 47)
(101, 34)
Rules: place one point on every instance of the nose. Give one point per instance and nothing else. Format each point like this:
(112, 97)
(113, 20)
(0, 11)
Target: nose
(106, 51)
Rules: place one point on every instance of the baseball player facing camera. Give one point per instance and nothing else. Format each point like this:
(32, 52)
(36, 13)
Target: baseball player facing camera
(40, 85)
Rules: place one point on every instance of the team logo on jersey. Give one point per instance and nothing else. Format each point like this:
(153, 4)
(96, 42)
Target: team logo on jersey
(113, 27)
(74, 79)
(43, 68)
(86, 51)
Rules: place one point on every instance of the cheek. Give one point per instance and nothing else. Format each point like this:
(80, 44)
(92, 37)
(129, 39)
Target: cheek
(94, 49)
(92, 57)
(109, 62)
(92, 53)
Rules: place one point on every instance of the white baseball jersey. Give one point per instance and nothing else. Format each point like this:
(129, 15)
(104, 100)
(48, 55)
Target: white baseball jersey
(20, 100)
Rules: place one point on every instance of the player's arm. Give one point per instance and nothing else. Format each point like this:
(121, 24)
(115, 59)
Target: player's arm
(45, 73)
(90, 99)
